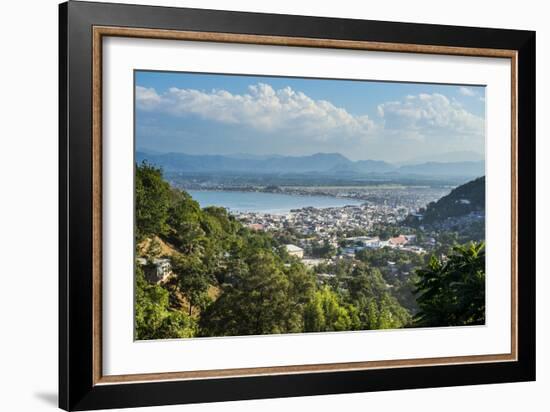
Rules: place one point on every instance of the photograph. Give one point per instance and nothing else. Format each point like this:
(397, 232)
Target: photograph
(280, 205)
(267, 204)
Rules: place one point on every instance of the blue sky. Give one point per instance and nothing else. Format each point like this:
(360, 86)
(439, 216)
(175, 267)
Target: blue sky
(227, 114)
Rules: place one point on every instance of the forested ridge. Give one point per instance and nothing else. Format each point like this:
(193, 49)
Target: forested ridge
(230, 280)
(467, 198)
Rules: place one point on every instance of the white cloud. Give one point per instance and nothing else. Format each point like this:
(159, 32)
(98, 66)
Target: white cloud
(262, 108)
(293, 114)
(147, 98)
(429, 115)
(465, 91)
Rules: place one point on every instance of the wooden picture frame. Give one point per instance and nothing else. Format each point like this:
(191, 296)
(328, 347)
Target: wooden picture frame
(83, 26)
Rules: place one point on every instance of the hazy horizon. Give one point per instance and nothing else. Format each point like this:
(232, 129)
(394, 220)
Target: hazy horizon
(463, 156)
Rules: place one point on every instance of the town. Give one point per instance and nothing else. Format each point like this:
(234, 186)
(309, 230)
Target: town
(344, 231)
(325, 223)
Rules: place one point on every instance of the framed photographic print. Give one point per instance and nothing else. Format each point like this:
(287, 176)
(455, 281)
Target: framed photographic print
(256, 205)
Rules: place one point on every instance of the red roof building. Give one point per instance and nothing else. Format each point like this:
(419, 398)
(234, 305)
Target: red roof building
(400, 240)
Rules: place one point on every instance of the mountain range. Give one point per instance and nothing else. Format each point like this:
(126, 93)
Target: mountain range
(319, 164)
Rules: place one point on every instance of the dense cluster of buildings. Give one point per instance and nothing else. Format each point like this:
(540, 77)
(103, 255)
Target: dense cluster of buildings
(324, 223)
(405, 243)
(328, 226)
(460, 221)
(393, 196)
(352, 245)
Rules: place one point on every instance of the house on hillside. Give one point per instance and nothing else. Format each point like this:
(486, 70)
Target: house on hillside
(294, 250)
(358, 243)
(311, 263)
(157, 271)
(348, 251)
(398, 241)
(410, 238)
(372, 242)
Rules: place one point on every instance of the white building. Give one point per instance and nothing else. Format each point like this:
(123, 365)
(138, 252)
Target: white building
(361, 242)
(310, 263)
(157, 271)
(294, 250)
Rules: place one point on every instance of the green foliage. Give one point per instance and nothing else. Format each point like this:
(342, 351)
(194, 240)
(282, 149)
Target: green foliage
(192, 280)
(254, 304)
(262, 297)
(153, 251)
(403, 290)
(453, 204)
(380, 257)
(302, 286)
(377, 308)
(451, 291)
(321, 250)
(325, 313)
(152, 201)
(184, 217)
(153, 317)
(385, 232)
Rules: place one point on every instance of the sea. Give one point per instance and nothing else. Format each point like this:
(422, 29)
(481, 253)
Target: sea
(267, 203)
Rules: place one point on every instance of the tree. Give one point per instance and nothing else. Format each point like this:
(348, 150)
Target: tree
(153, 317)
(403, 290)
(451, 291)
(152, 250)
(184, 220)
(377, 308)
(453, 205)
(325, 313)
(322, 250)
(152, 201)
(255, 303)
(301, 290)
(192, 280)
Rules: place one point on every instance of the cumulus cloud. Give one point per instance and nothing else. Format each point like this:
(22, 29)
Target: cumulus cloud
(429, 114)
(295, 115)
(147, 98)
(262, 108)
(465, 91)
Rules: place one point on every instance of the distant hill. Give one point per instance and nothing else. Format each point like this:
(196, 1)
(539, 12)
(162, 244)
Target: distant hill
(319, 162)
(374, 166)
(332, 164)
(180, 162)
(476, 168)
(447, 157)
(470, 197)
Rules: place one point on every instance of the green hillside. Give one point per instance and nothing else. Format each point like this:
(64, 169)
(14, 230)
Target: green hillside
(467, 198)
